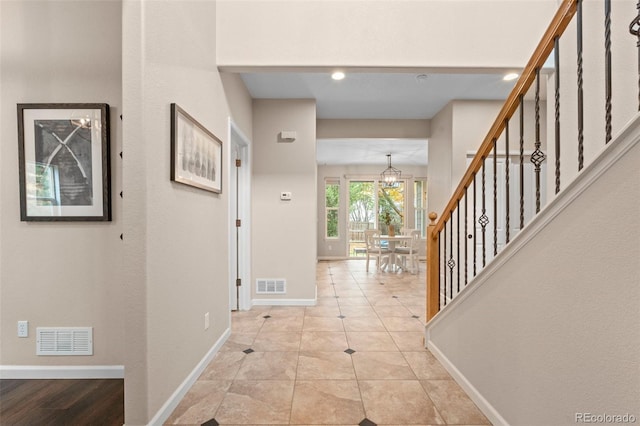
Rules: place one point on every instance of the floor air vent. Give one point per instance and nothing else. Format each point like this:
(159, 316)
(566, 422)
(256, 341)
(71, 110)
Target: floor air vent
(271, 286)
(64, 341)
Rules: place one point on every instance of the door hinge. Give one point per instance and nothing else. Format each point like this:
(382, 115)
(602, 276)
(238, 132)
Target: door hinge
(238, 282)
(238, 223)
(238, 162)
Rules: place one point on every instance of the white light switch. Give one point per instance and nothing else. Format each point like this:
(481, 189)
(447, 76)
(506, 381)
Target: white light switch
(286, 196)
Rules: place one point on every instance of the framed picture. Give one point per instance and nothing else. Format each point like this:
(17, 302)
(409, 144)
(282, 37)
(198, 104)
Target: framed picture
(196, 154)
(64, 162)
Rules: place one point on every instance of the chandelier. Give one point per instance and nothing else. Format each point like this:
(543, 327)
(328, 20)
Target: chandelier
(390, 176)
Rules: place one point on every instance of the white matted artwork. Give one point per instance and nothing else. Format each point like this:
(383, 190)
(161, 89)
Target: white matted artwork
(64, 162)
(196, 153)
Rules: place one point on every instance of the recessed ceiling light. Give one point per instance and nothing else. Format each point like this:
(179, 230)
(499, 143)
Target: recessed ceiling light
(421, 77)
(510, 76)
(338, 75)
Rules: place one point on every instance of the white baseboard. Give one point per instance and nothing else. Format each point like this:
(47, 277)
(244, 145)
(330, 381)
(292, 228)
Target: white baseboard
(61, 372)
(487, 409)
(167, 408)
(283, 302)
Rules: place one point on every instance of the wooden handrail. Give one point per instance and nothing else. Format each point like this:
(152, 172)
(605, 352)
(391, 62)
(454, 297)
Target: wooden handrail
(560, 21)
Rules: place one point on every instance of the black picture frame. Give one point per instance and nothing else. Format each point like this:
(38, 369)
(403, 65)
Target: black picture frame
(65, 167)
(196, 153)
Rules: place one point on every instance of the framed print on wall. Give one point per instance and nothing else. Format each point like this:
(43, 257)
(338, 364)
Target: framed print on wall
(196, 154)
(64, 162)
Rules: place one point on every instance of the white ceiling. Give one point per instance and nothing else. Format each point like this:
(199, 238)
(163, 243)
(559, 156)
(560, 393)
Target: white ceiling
(371, 95)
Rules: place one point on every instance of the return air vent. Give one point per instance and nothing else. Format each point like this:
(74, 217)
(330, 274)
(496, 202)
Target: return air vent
(64, 341)
(271, 286)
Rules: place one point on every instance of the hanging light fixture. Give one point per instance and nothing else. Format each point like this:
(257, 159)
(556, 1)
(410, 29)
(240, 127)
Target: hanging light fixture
(390, 176)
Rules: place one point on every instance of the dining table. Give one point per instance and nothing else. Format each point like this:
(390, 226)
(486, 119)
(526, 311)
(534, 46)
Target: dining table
(394, 261)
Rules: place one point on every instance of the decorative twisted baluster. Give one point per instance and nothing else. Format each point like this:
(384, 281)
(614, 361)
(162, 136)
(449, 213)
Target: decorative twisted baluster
(580, 91)
(451, 263)
(466, 259)
(537, 157)
(475, 245)
(506, 178)
(634, 29)
(607, 68)
(483, 219)
(458, 242)
(521, 161)
(556, 50)
(495, 197)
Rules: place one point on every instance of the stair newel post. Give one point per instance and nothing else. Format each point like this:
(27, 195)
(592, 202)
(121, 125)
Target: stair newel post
(433, 262)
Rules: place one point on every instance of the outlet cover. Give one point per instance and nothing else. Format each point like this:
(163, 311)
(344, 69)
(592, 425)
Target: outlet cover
(206, 321)
(23, 328)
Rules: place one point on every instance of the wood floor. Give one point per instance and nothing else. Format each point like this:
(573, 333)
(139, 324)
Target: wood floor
(62, 402)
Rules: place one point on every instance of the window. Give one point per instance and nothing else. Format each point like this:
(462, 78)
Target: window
(332, 205)
(420, 205)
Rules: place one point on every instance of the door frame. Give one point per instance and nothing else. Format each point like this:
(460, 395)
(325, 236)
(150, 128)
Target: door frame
(239, 142)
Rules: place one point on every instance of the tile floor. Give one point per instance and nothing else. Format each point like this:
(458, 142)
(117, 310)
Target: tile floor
(357, 358)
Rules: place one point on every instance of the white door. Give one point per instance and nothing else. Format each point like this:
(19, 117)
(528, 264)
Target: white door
(239, 230)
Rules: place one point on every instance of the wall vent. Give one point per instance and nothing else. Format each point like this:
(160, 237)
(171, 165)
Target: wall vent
(64, 341)
(271, 286)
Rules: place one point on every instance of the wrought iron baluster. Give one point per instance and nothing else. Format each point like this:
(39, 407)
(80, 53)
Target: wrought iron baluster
(458, 242)
(634, 29)
(607, 68)
(556, 51)
(451, 263)
(537, 157)
(444, 260)
(580, 91)
(521, 161)
(506, 180)
(484, 220)
(466, 258)
(495, 197)
(475, 245)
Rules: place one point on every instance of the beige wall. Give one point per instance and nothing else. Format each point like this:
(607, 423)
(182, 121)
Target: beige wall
(345, 128)
(380, 34)
(176, 257)
(552, 331)
(59, 274)
(284, 232)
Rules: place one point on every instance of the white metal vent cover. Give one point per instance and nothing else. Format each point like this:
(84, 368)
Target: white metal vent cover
(64, 341)
(271, 286)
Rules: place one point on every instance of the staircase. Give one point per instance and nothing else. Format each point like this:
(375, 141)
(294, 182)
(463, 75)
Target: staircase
(538, 320)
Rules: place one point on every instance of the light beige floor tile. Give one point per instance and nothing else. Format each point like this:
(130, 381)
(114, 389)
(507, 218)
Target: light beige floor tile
(392, 311)
(238, 342)
(257, 402)
(418, 310)
(323, 341)
(269, 366)
(322, 324)
(286, 311)
(363, 324)
(409, 340)
(277, 341)
(350, 292)
(353, 301)
(397, 402)
(326, 402)
(381, 365)
(425, 365)
(322, 311)
(384, 301)
(224, 366)
(358, 311)
(247, 325)
(200, 403)
(293, 323)
(402, 324)
(453, 404)
(371, 341)
(325, 365)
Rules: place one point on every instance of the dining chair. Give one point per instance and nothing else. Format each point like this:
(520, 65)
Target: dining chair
(374, 249)
(411, 252)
